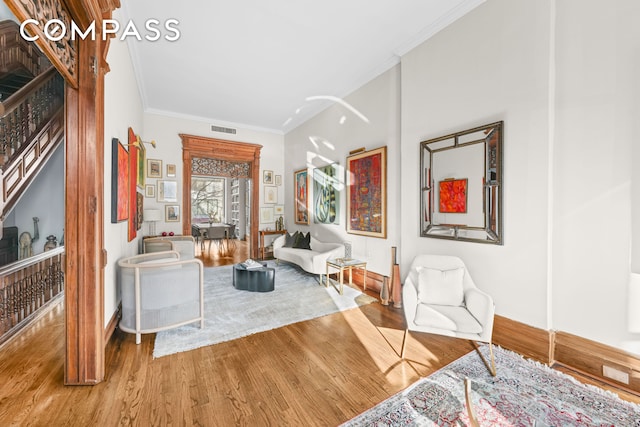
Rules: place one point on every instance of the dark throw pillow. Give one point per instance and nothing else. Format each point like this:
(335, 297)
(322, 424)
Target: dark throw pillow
(303, 241)
(290, 240)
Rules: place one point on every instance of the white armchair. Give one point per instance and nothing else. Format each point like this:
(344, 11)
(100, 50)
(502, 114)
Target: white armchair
(160, 291)
(440, 297)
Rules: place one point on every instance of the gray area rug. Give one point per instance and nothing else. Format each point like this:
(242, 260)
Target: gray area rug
(231, 313)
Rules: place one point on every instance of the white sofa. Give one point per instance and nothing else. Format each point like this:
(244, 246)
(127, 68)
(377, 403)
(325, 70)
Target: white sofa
(313, 261)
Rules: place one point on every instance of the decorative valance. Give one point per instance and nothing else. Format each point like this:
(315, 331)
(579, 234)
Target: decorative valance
(217, 167)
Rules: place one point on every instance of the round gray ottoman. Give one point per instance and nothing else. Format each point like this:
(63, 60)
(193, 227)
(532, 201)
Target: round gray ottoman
(255, 280)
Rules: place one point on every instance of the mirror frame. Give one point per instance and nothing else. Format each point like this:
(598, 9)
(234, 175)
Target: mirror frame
(492, 201)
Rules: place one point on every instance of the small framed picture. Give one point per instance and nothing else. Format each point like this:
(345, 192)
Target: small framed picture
(167, 191)
(172, 213)
(270, 194)
(278, 179)
(279, 209)
(154, 168)
(149, 190)
(267, 177)
(266, 215)
(171, 171)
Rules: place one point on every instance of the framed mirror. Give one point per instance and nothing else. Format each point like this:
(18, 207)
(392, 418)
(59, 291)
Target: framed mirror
(461, 185)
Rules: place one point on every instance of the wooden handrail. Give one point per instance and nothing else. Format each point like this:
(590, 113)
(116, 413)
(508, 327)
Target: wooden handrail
(27, 111)
(21, 94)
(28, 262)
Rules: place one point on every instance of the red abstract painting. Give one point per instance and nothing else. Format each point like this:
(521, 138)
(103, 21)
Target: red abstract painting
(453, 196)
(367, 193)
(119, 182)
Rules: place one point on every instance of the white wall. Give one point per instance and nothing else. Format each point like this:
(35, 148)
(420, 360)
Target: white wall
(44, 198)
(323, 140)
(122, 109)
(597, 124)
(482, 69)
(563, 77)
(165, 131)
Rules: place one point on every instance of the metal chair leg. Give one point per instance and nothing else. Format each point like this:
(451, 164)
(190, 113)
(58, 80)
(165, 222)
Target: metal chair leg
(490, 367)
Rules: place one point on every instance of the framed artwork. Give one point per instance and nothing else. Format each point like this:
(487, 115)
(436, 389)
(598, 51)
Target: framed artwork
(266, 215)
(270, 194)
(301, 196)
(139, 210)
(171, 171)
(167, 191)
(326, 194)
(149, 190)
(133, 178)
(154, 168)
(142, 156)
(367, 193)
(278, 179)
(119, 182)
(452, 195)
(267, 177)
(279, 209)
(172, 213)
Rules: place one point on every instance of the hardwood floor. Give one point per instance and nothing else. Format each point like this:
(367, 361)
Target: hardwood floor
(215, 255)
(319, 372)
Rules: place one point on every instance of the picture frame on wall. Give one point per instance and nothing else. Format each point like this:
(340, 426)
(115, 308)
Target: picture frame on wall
(149, 190)
(133, 185)
(279, 209)
(327, 182)
(154, 168)
(266, 215)
(172, 213)
(452, 195)
(267, 177)
(278, 180)
(139, 210)
(167, 191)
(135, 142)
(270, 194)
(119, 182)
(171, 171)
(301, 196)
(367, 193)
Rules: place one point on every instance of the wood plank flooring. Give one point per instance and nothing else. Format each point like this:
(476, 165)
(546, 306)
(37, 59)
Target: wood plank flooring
(320, 372)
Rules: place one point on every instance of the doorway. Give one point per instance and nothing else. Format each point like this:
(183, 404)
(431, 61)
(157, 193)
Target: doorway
(218, 158)
(220, 217)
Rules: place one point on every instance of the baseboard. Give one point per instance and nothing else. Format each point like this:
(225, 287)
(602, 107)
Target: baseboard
(589, 357)
(374, 280)
(111, 326)
(531, 342)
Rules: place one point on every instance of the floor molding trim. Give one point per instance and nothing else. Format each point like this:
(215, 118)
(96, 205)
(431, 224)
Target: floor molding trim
(527, 340)
(111, 326)
(590, 357)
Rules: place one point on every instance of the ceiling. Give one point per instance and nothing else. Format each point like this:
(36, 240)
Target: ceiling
(256, 63)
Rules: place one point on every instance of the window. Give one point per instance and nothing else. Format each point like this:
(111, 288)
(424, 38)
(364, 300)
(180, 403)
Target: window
(208, 199)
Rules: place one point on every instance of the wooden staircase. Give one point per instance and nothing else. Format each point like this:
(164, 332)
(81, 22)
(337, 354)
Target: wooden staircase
(31, 127)
(31, 116)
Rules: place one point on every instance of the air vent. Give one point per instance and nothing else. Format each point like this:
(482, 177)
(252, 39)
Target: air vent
(215, 128)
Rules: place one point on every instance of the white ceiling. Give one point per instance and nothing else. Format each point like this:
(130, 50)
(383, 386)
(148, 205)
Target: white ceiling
(254, 63)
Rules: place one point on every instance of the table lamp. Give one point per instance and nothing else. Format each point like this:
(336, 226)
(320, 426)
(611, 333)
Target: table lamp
(151, 216)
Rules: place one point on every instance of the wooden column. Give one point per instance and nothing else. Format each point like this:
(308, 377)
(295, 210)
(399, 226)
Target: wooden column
(84, 311)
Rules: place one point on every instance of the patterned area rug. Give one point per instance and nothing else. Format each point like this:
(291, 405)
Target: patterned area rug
(524, 393)
(231, 313)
